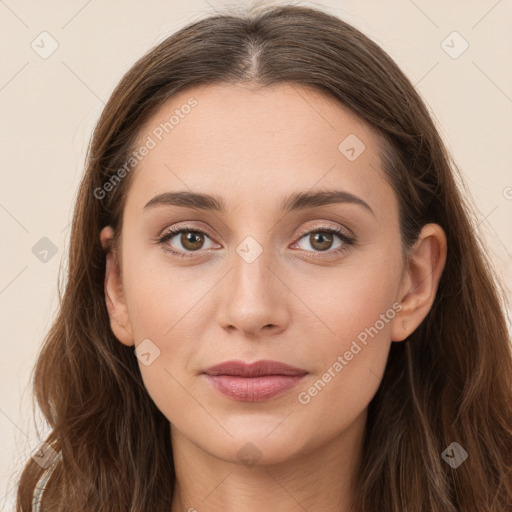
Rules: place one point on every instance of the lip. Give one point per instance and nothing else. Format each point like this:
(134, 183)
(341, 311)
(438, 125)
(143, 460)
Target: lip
(253, 382)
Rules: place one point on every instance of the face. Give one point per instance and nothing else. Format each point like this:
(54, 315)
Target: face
(268, 275)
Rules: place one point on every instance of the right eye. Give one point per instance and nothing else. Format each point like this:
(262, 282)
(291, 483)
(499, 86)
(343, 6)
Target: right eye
(190, 240)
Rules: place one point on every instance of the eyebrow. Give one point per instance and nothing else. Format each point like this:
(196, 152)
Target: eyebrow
(295, 201)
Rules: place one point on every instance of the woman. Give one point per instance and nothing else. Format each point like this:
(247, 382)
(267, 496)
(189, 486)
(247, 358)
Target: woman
(276, 299)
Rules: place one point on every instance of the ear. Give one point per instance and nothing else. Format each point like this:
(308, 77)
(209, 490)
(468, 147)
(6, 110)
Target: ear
(114, 294)
(421, 277)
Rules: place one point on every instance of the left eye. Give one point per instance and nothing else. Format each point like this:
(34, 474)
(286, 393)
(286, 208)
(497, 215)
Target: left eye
(322, 239)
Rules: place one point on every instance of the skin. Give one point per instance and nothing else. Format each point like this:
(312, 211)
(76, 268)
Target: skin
(253, 148)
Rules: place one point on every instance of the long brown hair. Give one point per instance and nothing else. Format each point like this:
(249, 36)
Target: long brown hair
(450, 381)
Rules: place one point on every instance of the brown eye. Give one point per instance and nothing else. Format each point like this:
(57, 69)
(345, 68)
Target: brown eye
(328, 240)
(321, 240)
(192, 240)
(185, 240)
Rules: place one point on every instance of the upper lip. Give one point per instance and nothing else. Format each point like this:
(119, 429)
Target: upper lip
(256, 369)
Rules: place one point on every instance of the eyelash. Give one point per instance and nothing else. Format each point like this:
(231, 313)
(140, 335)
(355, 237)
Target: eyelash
(345, 238)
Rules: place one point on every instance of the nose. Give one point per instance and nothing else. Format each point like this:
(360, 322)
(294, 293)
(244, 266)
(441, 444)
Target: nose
(253, 299)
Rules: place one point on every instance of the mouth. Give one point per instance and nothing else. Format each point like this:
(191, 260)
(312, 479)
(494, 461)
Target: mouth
(253, 382)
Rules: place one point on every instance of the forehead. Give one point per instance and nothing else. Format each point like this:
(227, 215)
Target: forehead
(256, 144)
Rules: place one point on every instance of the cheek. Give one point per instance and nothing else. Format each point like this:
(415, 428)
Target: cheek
(350, 298)
(166, 306)
(358, 307)
(159, 294)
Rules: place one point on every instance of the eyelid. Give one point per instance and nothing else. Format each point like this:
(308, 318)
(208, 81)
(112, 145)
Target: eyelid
(327, 227)
(300, 234)
(177, 228)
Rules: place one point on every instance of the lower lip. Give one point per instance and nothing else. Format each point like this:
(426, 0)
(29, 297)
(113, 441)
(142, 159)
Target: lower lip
(253, 389)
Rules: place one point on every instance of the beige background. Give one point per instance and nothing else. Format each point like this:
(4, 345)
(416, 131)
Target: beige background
(50, 105)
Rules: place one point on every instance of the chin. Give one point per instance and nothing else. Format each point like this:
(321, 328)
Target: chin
(262, 444)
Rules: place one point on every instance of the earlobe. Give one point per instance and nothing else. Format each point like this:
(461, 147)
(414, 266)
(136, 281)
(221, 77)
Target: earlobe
(425, 266)
(114, 295)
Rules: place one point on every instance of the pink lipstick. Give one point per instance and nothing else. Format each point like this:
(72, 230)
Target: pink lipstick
(253, 382)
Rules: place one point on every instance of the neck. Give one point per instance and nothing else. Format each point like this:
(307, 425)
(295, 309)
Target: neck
(321, 478)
